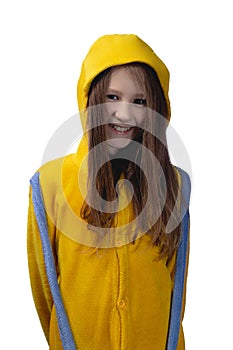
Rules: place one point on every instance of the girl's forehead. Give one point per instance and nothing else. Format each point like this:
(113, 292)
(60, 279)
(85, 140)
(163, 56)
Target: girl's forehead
(131, 74)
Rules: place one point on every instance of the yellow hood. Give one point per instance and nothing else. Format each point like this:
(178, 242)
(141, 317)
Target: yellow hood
(117, 49)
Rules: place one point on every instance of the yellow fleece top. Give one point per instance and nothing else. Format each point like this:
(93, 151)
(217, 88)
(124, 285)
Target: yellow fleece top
(117, 296)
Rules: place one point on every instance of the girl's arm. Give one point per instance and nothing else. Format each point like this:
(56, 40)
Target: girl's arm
(39, 282)
(172, 266)
(178, 267)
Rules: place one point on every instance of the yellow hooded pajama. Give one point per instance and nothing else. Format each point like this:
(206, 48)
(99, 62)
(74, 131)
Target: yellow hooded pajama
(111, 298)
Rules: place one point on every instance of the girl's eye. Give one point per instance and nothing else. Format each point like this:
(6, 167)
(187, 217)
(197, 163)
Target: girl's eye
(112, 97)
(140, 101)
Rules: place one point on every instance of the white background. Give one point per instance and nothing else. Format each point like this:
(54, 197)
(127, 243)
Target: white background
(42, 46)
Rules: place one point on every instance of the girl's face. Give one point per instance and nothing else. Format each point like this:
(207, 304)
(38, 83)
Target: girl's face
(126, 102)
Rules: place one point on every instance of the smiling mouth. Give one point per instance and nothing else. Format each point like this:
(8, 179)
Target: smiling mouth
(120, 128)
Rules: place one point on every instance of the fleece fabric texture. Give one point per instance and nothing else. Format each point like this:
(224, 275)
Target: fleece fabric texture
(117, 297)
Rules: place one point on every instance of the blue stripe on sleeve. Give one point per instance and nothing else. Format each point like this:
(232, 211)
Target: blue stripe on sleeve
(181, 260)
(63, 323)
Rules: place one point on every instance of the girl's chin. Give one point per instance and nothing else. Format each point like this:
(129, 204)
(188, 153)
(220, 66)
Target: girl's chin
(115, 145)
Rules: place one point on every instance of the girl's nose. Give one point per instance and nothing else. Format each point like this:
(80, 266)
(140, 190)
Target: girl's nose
(123, 111)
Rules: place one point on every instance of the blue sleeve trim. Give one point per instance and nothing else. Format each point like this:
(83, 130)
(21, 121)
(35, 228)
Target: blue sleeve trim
(181, 260)
(63, 323)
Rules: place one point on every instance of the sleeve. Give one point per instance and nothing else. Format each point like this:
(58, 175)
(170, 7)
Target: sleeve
(39, 283)
(178, 267)
(172, 266)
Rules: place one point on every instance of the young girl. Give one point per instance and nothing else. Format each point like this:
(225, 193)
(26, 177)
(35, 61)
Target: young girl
(108, 226)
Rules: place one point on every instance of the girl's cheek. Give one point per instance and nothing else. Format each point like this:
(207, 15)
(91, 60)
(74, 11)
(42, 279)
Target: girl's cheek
(140, 118)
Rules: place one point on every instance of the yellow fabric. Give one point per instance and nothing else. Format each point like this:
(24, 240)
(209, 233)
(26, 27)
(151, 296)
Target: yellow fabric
(117, 49)
(117, 297)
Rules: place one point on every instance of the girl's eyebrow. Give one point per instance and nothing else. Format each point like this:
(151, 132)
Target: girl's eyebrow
(117, 92)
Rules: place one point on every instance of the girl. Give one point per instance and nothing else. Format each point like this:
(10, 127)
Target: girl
(108, 226)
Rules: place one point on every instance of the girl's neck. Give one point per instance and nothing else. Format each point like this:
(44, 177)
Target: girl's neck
(119, 166)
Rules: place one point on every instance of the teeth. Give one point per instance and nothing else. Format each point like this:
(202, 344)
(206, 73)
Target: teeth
(119, 128)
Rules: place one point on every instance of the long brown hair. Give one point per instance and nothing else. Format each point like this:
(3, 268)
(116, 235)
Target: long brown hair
(134, 170)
